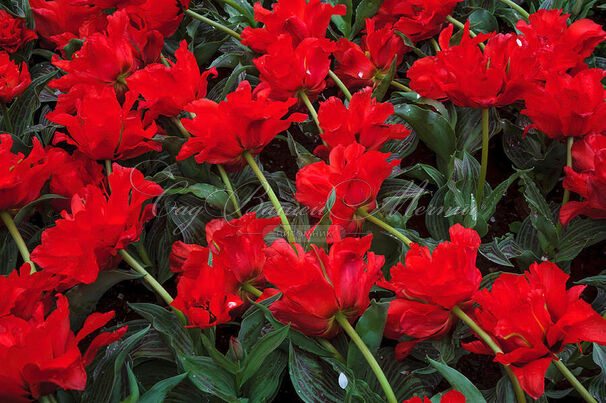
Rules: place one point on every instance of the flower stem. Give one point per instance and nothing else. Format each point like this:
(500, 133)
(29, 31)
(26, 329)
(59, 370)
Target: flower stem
(108, 167)
(384, 225)
(328, 345)
(6, 118)
(574, 381)
(340, 84)
(272, 196)
(400, 86)
(566, 195)
(374, 365)
(435, 45)
(311, 109)
(14, 231)
(230, 189)
(458, 312)
(180, 127)
(516, 7)
(212, 23)
(251, 289)
(149, 279)
(484, 167)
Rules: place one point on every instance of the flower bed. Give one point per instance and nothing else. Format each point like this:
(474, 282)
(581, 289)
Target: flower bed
(348, 200)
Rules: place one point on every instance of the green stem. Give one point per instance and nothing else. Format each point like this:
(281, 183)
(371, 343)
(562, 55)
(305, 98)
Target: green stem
(484, 167)
(149, 279)
(460, 25)
(251, 289)
(240, 9)
(374, 365)
(14, 231)
(6, 118)
(384, 225)
(230, 189)
(435, 45)
(328, 345)
(212, 23)
(272, 196)
(566, 195)
(311, 109)
(574, 381)
(179, 126)
(47, 399)
(458, 312)
(340, 84)
(516, 7)
(400, 86)
(108, 167)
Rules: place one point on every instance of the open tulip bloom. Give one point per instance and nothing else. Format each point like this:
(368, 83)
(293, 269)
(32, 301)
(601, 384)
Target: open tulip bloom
(302, 200)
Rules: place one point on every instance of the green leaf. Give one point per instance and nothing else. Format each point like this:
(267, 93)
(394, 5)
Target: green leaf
(216, 355)
(132, 385)
(578, 235)
(501, 250)
(168, 324)
(370, 328)
(214, 196)
(263, 386)
(21, 112)
(381, 89)
(83, 298)
(314, 380)
(207, 376)
(458, 381)
(259, 352)
(483, 21)
(596, 281)
(343, 22)
(105, 384)
(599, 357)
(432, 129)
(28, 209)
(489, 204)
(158, 392)
(366, 9)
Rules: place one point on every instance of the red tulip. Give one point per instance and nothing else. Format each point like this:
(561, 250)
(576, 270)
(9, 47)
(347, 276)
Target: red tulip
(71, 173)
(359, 66)
(167, 90)
(222, 131)
(205, 294)
(556, 47)
(40, 353)
(14, 79)
(589, 157)
(13, 32)
(417, 19)
(163, 16)
(355, 176)
(59, 21)
(568, 105)
(239, 245)
(87, 240)
(102, 129)
(21, 178)
(286, 70)
(363, 122)
(316, 286)
(429, 286)
(532, 317)
(296, 18)
(470, 78)
(108, 58)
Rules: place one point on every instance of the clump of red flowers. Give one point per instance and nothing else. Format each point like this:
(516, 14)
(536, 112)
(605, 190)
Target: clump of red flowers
(13, 32)
(87, 240)
(14, 78)
(429, 285)
(532, 317)
(317, 286)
